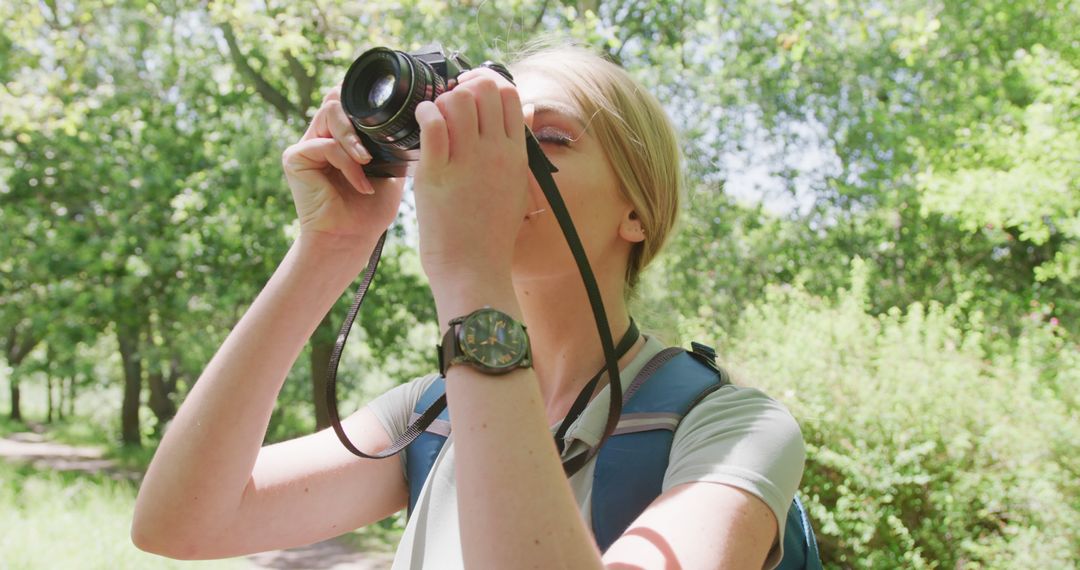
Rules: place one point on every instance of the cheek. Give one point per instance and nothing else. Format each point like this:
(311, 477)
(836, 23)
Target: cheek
(587, 187)
(590, 196)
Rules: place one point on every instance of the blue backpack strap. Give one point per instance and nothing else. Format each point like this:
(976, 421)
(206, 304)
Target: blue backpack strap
(421, 453)
(641, 446)
(630, 467)
(800, 544)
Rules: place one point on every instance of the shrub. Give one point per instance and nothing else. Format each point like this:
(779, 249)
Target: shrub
(930, 443)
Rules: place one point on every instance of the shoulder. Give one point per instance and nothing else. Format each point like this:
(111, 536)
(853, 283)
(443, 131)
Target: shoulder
(739, 422)
(741, 411)
(394, 407)
(739, 436)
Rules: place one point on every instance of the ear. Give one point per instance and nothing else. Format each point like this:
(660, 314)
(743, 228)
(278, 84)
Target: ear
(630, 228)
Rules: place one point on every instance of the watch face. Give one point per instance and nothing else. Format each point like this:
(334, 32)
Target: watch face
(492, 339)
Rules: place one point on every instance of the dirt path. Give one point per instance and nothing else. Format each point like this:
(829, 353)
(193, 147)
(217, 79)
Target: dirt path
(327, 555)
(34, 447)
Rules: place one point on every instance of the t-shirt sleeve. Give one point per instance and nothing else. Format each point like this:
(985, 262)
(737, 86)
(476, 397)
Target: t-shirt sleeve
(740, 437)
(395, 407)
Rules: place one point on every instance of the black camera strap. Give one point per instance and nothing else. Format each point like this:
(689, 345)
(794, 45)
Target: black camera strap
(542, 169)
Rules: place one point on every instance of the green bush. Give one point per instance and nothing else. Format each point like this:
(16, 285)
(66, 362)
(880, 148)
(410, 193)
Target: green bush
(930, 443)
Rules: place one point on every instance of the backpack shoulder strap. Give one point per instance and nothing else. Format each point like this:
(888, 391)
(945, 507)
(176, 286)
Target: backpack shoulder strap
(641, 445)
(667, 388)
(800, 544)
(421, 453)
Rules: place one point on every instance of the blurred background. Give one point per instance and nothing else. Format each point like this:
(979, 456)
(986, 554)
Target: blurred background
(882, 231)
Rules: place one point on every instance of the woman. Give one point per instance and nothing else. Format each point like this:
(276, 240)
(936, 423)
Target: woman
(498, 496)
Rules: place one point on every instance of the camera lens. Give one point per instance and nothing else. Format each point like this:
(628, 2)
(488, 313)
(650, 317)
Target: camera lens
(381, 91)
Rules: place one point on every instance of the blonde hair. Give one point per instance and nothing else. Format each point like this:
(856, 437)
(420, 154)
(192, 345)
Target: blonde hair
(631, 126)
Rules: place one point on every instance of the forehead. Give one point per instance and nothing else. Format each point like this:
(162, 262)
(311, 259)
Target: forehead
(547, 96)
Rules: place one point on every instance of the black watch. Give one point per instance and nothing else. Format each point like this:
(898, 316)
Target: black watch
(487, 339)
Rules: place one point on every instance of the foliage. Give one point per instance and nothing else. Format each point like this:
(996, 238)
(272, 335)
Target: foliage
(930, 443)
(56, 520)
(1017, 173)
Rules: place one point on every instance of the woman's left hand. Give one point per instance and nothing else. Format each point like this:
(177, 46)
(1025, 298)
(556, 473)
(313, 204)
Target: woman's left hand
(472, 183)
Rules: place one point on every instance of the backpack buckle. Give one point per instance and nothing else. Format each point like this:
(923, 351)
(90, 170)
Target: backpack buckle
(706, 355)
(704, 350)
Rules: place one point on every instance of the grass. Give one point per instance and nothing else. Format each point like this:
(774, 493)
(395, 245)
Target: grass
(73, 520)
(53, 519)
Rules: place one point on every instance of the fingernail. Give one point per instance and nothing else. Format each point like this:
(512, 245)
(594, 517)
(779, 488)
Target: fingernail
(358, 151)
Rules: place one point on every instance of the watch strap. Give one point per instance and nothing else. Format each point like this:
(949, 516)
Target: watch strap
(448, 348)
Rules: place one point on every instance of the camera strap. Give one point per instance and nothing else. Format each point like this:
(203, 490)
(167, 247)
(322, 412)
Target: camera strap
(542, 169)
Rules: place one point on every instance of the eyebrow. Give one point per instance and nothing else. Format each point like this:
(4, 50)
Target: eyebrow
(551, 107)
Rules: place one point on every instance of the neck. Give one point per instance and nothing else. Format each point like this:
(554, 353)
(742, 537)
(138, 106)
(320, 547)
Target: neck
(565, 344)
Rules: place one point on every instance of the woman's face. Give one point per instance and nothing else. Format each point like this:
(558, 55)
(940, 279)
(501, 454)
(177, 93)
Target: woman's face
(586, 182)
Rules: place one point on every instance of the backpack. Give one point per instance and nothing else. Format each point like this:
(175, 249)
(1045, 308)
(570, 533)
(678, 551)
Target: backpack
(640, 444)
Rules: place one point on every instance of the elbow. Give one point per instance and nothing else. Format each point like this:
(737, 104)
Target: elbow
(162, 539)
(148, 542)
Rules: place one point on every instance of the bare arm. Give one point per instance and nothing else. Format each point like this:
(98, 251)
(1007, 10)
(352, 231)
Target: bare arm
(697, 525)
(210, 490)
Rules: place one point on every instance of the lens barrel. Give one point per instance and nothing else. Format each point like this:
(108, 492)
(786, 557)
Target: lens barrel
(381, 91)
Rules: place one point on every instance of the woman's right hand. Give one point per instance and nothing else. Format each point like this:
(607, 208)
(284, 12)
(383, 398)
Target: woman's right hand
(334, 199)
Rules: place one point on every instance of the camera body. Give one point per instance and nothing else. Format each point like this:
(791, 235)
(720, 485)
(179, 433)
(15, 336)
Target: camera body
(381, 91)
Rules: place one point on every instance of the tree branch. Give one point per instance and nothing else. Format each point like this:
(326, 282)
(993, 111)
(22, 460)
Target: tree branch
(305, 84)
(55, 22)
(267, 91)
(17, 351)
(539, 18)
(9, 344)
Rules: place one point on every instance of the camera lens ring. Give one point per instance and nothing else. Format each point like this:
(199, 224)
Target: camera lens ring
(394, 122)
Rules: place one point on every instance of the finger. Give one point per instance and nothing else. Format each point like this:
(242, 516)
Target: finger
(478, 72)
(513, 118)
(434, 138)
(342, 130)
(318, 127)
(489, 111)
(318, 154)
(459, 109)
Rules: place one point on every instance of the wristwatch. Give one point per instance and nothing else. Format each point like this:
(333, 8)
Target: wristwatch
(487, 339)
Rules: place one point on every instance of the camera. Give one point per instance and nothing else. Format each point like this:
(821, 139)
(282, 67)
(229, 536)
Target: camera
(381, 91)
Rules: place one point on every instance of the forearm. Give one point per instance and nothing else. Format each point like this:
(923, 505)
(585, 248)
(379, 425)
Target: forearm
(204, 463)
(516, 507)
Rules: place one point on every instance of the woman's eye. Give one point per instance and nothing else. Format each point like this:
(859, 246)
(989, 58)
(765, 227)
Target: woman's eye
(551, 135)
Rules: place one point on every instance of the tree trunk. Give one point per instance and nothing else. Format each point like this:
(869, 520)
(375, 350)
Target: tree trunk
(322, 344)
(60, 398)
(16, 407)
(161, 389)
(48, 383)
(48, 398)
(71, 396)
(18, 347)
(128, 338)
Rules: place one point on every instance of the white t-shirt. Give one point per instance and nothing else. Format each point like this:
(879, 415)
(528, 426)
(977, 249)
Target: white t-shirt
(736, 436)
